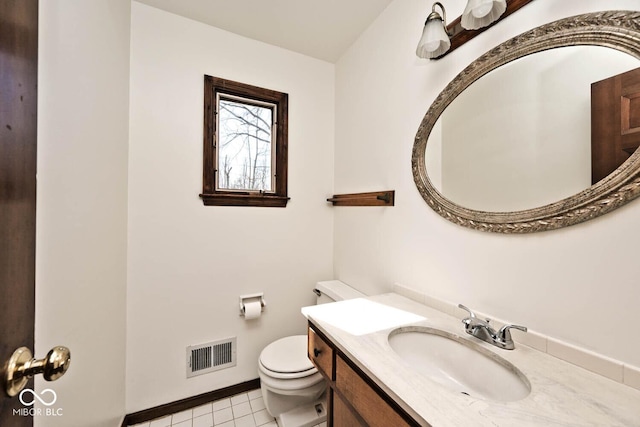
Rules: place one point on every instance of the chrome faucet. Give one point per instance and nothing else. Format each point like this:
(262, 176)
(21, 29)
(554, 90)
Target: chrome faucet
(481, 329)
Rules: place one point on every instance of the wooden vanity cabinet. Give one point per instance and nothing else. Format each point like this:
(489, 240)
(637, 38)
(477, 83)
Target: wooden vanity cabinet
(353, 399)
(341, 413)
(321, 354)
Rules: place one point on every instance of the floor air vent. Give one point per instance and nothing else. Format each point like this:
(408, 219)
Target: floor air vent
(205, 358)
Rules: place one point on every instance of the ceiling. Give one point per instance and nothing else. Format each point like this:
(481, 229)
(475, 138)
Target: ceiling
(321, 29)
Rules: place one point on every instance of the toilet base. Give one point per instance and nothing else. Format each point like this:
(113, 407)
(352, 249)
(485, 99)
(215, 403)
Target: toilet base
(282, 396)
(308, 415)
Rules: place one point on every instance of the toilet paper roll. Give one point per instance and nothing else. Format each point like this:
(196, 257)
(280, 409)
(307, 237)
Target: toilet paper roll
(252, 310)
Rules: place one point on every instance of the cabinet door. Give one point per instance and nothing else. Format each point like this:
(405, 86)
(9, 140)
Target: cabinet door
(373, 409)
(342, 415)
(615, 122)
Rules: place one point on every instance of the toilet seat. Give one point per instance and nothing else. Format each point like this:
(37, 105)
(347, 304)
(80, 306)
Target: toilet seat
(287, 358)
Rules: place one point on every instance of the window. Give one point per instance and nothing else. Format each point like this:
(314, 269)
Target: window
(245, 145)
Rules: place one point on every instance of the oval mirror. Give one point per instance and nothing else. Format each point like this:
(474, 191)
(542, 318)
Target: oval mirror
(506, 146)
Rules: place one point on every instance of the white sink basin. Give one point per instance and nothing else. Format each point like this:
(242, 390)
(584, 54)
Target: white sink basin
(459, 364)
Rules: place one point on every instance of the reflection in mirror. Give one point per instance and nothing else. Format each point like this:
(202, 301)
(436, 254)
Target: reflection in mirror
(519, 137)
(615, 29)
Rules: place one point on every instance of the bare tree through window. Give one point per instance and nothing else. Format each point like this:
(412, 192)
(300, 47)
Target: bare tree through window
(245, 150)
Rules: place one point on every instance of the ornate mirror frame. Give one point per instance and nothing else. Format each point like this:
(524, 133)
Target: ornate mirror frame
(618, 30)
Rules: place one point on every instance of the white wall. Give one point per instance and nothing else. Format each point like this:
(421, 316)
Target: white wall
(578, 284)
(189, 263)
(83, 115)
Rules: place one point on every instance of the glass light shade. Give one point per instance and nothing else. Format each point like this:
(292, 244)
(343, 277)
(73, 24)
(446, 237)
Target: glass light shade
(482, 9)
(434, 41)
(480, 13)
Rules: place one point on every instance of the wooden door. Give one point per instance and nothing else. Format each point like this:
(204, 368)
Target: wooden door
(615, 122)
(18, 124)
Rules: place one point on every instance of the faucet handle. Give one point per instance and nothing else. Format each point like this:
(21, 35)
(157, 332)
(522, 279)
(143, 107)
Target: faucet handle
(471, 313)
(504, 334)
(472, 321)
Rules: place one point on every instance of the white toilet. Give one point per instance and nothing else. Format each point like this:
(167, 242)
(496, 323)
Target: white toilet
(292, 388)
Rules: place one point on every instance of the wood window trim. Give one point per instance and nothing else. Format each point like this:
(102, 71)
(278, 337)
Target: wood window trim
(212, 197)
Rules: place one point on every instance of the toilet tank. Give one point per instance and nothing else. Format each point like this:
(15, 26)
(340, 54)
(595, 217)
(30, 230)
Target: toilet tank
(335, 290)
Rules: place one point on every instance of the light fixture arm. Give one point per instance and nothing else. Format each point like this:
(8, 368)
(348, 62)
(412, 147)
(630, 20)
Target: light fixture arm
(436, 15)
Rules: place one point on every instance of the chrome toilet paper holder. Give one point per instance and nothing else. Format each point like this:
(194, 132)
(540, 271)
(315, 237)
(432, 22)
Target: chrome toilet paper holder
(245, 299)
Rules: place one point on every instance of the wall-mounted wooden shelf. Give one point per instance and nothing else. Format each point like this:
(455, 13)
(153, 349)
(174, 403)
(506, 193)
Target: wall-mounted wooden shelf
(375, 198)
(460, 36)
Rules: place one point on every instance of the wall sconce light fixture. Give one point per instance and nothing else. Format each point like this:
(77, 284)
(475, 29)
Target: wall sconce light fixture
(439, 39)
(435, 39)
(480, 13)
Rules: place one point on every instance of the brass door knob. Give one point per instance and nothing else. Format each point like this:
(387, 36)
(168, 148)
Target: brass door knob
(22, 366)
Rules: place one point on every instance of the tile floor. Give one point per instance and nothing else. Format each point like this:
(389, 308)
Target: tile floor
(241, 410)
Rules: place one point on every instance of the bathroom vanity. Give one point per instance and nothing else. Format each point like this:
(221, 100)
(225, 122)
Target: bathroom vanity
(370, 383)
(353, 398)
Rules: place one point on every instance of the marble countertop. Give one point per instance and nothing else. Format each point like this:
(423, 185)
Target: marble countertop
(562, 394)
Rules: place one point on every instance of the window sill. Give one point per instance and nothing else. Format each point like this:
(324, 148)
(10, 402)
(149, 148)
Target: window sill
(233, 199)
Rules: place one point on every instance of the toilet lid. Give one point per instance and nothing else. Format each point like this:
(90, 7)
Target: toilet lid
(287, 355)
